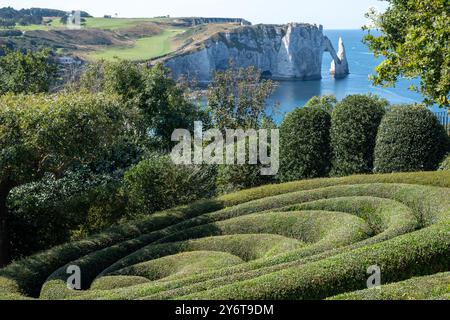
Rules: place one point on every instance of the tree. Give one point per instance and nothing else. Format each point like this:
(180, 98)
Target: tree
(415, 39)
(354, 128)
(32, 72)
(42, 134)
(325, 103)
(237, 99)
(166, 107)
(44, 213)
(7, 23)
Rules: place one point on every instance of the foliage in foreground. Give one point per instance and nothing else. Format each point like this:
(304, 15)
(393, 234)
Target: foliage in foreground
(421, 288)
(57, 134)
(305, 144)
(445, 165)
(32, 72)
(156, 184)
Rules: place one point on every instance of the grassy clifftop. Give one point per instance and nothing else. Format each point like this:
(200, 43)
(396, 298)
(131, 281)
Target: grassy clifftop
(126, 38)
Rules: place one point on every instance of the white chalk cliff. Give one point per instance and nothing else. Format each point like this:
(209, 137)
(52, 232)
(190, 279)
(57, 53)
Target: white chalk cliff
(339, 67)
(283, 52)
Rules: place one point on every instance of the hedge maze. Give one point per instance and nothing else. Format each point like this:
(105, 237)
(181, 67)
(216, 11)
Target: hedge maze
(311, 239)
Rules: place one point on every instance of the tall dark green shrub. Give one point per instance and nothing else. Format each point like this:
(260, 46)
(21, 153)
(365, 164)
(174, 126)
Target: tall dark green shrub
(354, 129)
(305, 144)
(410, 139)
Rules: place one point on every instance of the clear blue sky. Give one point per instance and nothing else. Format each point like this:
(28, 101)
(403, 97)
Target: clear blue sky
(332, 14)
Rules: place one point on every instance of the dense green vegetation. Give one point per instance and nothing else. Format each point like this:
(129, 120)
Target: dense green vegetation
(237, 99)
(414, 40)
(57, 134)
(33, 72)
(146, 185)
(421, 288)
(445, 165)
(142, 49)
(410, 139)
(305, 144)
(64, 155)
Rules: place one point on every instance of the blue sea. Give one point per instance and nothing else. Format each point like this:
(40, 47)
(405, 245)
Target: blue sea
(292, 94)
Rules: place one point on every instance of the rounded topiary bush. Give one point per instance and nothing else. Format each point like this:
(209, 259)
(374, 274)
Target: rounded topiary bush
(354, 129)
(305, 144)
(156, 183)
(410, 139)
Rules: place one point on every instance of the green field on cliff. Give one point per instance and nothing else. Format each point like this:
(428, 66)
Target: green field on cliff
(133, 39)
(141, 49)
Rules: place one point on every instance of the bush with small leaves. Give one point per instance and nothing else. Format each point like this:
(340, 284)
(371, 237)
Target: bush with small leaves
(410, 139)
(305, 144)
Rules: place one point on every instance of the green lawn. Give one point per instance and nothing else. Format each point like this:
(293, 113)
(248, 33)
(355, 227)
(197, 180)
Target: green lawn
(144, 48)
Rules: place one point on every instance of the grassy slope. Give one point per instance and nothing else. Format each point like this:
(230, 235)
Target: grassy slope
(139, 38)
(145, 48)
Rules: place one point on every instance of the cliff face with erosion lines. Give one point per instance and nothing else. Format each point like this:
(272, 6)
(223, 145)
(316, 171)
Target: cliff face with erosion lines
(282, 52)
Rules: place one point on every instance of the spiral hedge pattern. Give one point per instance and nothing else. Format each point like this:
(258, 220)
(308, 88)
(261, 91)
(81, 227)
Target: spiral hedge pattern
(311, 239)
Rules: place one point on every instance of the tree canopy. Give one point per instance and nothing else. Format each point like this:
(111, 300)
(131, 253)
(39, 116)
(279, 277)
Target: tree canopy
(162, 102)
(237, 98)
(42, 134)
(415, 36)
(30, 72)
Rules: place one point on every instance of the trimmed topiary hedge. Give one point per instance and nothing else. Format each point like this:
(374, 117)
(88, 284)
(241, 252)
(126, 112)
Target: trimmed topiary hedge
(354, 129)
(309, 239)
(305, 144)
(410, 139)
(421, 288)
